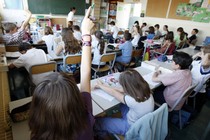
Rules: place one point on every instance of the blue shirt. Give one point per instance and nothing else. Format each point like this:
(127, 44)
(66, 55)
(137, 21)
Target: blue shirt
(127, 49)
(150, 36)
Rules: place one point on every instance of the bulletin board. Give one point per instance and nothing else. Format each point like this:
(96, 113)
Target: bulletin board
(157, 8)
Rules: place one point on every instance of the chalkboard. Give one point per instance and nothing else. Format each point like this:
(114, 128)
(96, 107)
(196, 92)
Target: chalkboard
(61, 7)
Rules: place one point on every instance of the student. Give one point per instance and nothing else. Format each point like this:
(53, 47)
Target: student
(158, 34)
(151, 33)
(136, 35)
(169, 41)
(176, 83)
(180, 38)
(27, 35)
(136, 23)
(136, 99)
(77, 32)
(193, 38)
(48, 38)
(99, 50)
(114, 31)
(165, 30)
(70, 17)
(70, 44)
(126, 48)
(14, 35)
(30, 56)
(144, 28)
(58, 109)
(199, 66)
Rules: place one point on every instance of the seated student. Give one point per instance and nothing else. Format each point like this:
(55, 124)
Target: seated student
(198, 66)
(48, 38)
(114, 31)
(99, 50)
(14, 35)
(180, 38)
(126, 48)
(136, 35)
(151, 33)
(176, 83)
(30, 56)
(69, 46)
(59, 110)
(144, 28)
(192, 39)
(169, 41)
(158, 34)
(77, 32)
(136, 99)
(165, 30)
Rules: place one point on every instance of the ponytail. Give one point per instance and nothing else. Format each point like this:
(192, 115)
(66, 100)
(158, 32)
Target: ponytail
(99, 36)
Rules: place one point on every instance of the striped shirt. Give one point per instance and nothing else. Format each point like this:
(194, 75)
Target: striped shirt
(14, 39)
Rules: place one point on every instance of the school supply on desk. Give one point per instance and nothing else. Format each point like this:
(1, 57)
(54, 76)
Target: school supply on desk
(162, 58)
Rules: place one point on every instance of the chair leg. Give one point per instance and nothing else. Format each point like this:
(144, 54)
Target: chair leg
(95, 75)
(180, 119)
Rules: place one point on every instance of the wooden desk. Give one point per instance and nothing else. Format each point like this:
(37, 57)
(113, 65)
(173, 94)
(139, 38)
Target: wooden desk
(190, 50)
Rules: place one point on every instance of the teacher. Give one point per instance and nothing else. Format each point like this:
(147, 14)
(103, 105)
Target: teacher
(71, 16)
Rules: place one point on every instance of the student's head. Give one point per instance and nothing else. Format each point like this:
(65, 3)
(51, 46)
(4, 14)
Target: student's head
(134, 85)
(48, 30)
(194, 31)
(165, 27)
(72, 45)
(181, 61)
(10, 28)
(157, 26)
(144, 24)
(170, 36)
(112, 23)
(151, 30)
(136, 23)
(73, 9)
(127, 36)
(181, 33)
(76, 28)
(23, 47)
(99, 35)
(57, 109)
(136, 29)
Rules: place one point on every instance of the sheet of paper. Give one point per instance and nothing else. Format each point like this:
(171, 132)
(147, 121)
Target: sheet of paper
(148, 78)
(102, 94)
(13, 54)
(149, 66)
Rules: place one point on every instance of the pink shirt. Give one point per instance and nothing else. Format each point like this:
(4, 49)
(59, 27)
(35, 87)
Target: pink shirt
(176, 83)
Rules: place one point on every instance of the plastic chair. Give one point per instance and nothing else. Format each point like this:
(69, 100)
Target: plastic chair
(109, 57)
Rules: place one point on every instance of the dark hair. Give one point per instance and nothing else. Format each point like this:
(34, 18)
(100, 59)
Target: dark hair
(157, 26)
(182, 35)
(151, 30)
(183, 59)
(24, 46)
(73, 8)
(48, 30)
(9, 27)
(134, 85)
(145, 24)
(127, 36)
(99, 35)
(57, 109)
(136, 22)
(196, 30)
(166, 26)
(76, 27)
(112, 23)
(72, 45)
(139, 29)
(170, 36)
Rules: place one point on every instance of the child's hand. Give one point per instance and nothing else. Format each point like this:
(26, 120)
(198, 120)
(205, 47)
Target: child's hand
(87, 24)
(98, 84)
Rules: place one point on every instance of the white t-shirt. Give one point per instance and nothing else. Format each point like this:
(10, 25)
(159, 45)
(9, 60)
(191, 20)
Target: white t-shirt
(70, 16)
(135, 40)
(78, 35)
(138, 109)
(96, 54)
(32, 57)
(49, 40)
(114, 30)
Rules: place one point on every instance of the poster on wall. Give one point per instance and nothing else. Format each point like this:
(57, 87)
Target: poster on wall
(201, 15)
(185, 9)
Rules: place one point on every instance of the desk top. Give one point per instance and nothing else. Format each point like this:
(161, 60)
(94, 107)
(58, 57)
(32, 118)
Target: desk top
(190, 50)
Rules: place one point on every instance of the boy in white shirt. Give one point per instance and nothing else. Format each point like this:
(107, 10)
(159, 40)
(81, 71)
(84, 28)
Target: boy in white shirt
(114, 31)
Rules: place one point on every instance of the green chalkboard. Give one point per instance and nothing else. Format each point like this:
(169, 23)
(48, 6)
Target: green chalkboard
(61, 7)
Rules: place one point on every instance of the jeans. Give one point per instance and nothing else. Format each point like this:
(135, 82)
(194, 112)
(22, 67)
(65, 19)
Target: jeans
(113, 125)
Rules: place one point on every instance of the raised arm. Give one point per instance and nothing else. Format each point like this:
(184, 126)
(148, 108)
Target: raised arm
(85, 72)
(28, 17)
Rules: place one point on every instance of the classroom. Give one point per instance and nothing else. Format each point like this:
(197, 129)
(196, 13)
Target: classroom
(104, 69)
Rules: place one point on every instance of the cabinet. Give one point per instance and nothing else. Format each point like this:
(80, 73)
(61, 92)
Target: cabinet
(112, 10)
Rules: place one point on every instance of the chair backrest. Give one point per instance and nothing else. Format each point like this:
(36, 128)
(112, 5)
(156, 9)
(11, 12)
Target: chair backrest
(186, 94)
(194, 41)
(12, 48)
(72, 59)
(137, 53)
(42, 68)
(151, 126)
(109, 57)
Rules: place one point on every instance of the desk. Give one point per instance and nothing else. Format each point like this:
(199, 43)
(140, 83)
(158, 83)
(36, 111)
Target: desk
(189, 50)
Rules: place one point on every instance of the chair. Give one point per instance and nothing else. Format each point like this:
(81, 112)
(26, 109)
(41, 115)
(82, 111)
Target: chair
(151, 126)
(109, 57)
(184, 96)
(50, 66)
